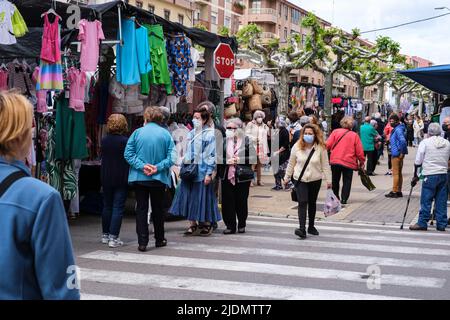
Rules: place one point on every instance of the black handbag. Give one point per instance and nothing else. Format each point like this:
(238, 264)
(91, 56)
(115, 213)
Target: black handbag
(188, 171)
(294, 190)
(244, 174)
(365, 180)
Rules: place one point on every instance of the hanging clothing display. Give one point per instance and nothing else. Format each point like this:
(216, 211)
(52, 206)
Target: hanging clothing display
(143, 55)
(7, 10)
(3, 79)
(70, 132)
(18, 24)
(158, 55)
(90, 34)
(65, 181)
(19, 77)
(77, 80)
(127, 99)
(195, 56)
(180, 61)
(126, 59)
(50, 50)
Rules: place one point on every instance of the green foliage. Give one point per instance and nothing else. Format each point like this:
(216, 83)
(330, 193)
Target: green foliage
(223, 31)
(248, 33)
(201, 27)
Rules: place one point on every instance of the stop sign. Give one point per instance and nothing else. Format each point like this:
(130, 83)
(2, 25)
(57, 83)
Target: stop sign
(224, 61)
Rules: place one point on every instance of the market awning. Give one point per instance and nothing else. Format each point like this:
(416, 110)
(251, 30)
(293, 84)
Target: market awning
(31, 10)
(435, 78)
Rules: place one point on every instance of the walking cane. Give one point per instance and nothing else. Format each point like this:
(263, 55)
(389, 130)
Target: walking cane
(407, 206)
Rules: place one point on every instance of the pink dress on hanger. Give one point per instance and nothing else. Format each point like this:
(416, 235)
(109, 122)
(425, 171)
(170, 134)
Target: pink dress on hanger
(90, 34)
(41, 95)
(77, 81)
(3, 80)
(50, 51)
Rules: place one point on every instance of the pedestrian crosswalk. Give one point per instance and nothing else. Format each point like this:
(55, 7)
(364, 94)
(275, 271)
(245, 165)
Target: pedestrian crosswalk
(347, 261)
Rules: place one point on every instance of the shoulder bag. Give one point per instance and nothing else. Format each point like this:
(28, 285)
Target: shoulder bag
(294, 190)
(189, 171)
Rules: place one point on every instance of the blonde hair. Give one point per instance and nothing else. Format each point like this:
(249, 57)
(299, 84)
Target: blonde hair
(347, 122)
(318, 136)
(16, 120)
(117, 124)
(153, 114)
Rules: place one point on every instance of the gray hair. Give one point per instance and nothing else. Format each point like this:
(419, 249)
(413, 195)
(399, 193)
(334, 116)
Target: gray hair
(434, 129)
(238, 122)
(259, 114)
(304, 120)
(166, 113)
(373, 123)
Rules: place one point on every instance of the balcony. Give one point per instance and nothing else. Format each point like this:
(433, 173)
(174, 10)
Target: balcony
(268, 35)
(262, 15)
(205, 23)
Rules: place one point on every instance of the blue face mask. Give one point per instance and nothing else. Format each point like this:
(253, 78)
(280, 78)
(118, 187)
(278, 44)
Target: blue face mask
(196, 123)
(308, 139)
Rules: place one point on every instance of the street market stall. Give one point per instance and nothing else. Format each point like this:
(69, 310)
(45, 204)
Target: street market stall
(76, 70)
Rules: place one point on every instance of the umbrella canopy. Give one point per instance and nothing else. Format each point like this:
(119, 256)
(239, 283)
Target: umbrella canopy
(435, 78)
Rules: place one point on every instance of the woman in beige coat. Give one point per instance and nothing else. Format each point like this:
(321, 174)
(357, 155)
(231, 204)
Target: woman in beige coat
(310, 145)
(258, 132)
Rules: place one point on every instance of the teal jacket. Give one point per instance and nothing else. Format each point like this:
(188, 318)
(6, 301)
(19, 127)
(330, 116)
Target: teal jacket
(368, 135)
(153, 145)
(36, 256)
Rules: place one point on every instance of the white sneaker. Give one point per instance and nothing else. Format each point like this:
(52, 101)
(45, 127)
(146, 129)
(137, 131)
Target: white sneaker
(105, 238)
(114, 243)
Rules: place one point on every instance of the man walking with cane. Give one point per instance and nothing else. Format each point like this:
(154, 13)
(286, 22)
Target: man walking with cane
(433, 156)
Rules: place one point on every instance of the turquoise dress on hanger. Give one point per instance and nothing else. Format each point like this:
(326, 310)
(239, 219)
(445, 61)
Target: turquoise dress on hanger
(127, 56)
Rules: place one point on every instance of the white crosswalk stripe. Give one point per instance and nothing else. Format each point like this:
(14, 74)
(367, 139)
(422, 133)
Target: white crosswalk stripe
(338, 258)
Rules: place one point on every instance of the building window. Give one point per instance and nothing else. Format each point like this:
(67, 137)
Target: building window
(303, 39)
(181, 19)
(256, 4)
(285, 33)
(281, 9)
(197, 15)
(286, 12)
(227, 22)
(151, 8)
(139, 4)
(166, 14)
(213, 18)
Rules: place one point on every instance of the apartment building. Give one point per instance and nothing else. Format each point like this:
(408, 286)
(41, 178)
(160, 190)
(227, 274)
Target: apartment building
(418, 62)
(213, 14)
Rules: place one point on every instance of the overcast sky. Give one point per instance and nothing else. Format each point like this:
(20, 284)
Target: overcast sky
(429, 40)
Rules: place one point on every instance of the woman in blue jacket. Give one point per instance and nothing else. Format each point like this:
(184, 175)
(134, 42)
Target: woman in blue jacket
(36, 256)
(150, 151)
(196, 200)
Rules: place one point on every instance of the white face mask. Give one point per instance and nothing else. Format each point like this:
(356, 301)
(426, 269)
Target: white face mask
(230, 134)
(259, 120)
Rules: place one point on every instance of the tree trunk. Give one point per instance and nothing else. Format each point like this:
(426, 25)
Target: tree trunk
(397, 101)
(284, 91)
(380, 94)
(328, 96)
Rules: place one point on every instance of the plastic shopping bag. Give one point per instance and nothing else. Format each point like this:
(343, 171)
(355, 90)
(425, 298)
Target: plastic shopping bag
(332, 204)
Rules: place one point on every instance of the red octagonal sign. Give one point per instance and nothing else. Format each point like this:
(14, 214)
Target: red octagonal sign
(224, 61)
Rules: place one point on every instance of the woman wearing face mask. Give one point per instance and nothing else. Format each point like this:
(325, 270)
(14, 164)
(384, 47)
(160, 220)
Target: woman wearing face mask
(236, 175)
(310, 146)
(258, 131)
(196, 200)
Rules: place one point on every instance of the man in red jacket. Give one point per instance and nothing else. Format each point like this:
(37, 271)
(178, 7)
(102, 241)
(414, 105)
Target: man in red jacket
(347, 155)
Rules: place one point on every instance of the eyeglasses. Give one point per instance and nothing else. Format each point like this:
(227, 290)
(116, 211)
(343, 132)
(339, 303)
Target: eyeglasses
(232, 128)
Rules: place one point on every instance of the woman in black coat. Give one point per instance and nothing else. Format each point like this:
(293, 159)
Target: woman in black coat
(236, 174)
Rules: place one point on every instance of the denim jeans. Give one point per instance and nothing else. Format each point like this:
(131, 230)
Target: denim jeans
(113, 209)
(434, 188)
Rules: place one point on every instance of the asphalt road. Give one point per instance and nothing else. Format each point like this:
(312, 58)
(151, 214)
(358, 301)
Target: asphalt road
(347, 261)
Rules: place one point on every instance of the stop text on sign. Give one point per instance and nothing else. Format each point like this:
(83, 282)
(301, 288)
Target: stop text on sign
(225, 61)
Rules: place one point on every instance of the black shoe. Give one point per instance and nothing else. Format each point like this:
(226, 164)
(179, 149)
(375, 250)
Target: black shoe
(440, 229)
(344, 202)
(301, 233)
(399, 195)
(228, 231)
(215, 226)
(416, 227)
(160, 244)
(241, 230)
(393, 195)
(313, 231)
(142, 248)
